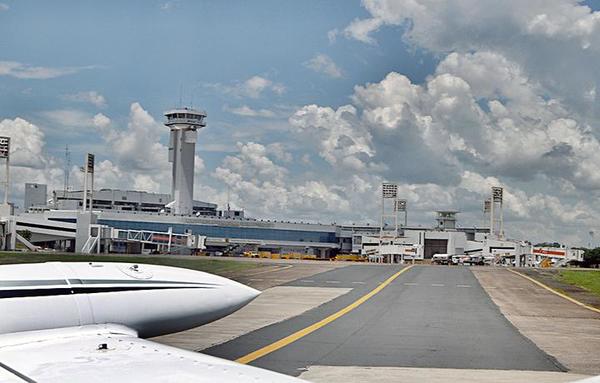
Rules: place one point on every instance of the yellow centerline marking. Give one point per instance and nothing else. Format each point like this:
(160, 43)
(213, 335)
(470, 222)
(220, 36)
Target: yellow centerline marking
(572, 300)
(315, 326)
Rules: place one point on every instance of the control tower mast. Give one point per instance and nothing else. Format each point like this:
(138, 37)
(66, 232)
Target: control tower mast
(184, 124)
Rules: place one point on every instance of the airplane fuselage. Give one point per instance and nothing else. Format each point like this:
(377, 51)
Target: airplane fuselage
(152, 300)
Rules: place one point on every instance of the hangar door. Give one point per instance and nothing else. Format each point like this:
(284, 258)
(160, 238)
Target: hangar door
(435, 246)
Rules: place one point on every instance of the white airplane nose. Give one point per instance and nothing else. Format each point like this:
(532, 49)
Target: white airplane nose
(242, 294)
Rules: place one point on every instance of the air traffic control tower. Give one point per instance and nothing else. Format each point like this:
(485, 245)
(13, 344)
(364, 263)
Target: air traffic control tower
(184, 124)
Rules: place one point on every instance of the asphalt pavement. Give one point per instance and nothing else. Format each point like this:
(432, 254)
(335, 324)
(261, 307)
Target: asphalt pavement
(436, 317)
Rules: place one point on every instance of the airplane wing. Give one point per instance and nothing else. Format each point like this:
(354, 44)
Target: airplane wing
(113, 353)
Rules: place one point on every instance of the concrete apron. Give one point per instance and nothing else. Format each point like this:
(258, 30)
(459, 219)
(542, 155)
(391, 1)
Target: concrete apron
(352, 374)
(568, 332)
(272, 306)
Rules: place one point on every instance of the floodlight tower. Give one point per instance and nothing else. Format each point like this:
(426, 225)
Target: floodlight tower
(184, 124)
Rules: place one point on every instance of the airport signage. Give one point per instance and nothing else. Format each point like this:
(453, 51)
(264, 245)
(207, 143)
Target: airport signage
(389, 190)
(552, 252)
(4, 147)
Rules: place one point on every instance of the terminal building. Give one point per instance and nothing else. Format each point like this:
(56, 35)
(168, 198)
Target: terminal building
(129, 221)
(125, 221)
(121, 201)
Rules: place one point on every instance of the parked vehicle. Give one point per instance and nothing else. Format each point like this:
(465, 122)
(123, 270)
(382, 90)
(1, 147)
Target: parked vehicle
(441, 259)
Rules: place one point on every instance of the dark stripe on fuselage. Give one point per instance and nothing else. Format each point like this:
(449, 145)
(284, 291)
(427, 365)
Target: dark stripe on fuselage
(132, 281)
(21, 293)
(63, 282)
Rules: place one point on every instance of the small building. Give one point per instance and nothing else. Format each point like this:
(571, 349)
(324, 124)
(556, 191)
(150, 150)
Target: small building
(35, 195)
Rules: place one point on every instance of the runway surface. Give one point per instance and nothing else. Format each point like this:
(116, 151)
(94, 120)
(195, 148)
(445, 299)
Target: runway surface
(427, 317)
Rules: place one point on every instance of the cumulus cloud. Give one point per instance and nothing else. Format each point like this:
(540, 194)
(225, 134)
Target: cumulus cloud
(26, 71)
(129, 156)
(432, 24)
(27, 142)
(340, 138)
(547, 38)
(264, 187)
(253, 87)
(73, 118)
(322, 63)
(90, 97)
(101, 121)
(247, 111)
(478, 121)
(138, 147)
(29, 162)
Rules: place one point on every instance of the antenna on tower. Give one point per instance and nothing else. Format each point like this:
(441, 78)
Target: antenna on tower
(67, 169)
(228, 190)
(180, 93)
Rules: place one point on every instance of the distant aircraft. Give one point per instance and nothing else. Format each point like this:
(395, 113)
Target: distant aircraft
(84, 322)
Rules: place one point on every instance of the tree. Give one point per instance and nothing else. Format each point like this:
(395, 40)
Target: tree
(591, 257)
(548, 244)
(25, 234)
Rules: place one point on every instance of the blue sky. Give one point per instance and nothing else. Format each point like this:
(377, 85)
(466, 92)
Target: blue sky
(312, 104)
(150, 52)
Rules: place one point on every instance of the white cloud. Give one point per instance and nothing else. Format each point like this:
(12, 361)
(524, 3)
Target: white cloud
(253, 87)
(547, 39)
(247, 111)
(29, 162)
(138, 159)
(101, 121)
(169, 5)
(263, 187)
(432, 23)
(137, 147)
(70, 118)
(361, 29)
(479, 120)
(279, 151)
(332, 35)
(322, 63)
(337, 133)
(4, 7)
(90, 97)
(25, 71)
(27, 142)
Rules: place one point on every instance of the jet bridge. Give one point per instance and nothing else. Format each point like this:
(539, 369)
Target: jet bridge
(104, 238)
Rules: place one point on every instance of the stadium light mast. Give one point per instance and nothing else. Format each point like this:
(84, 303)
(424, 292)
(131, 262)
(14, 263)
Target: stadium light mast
(5, 153)
(183, 124)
